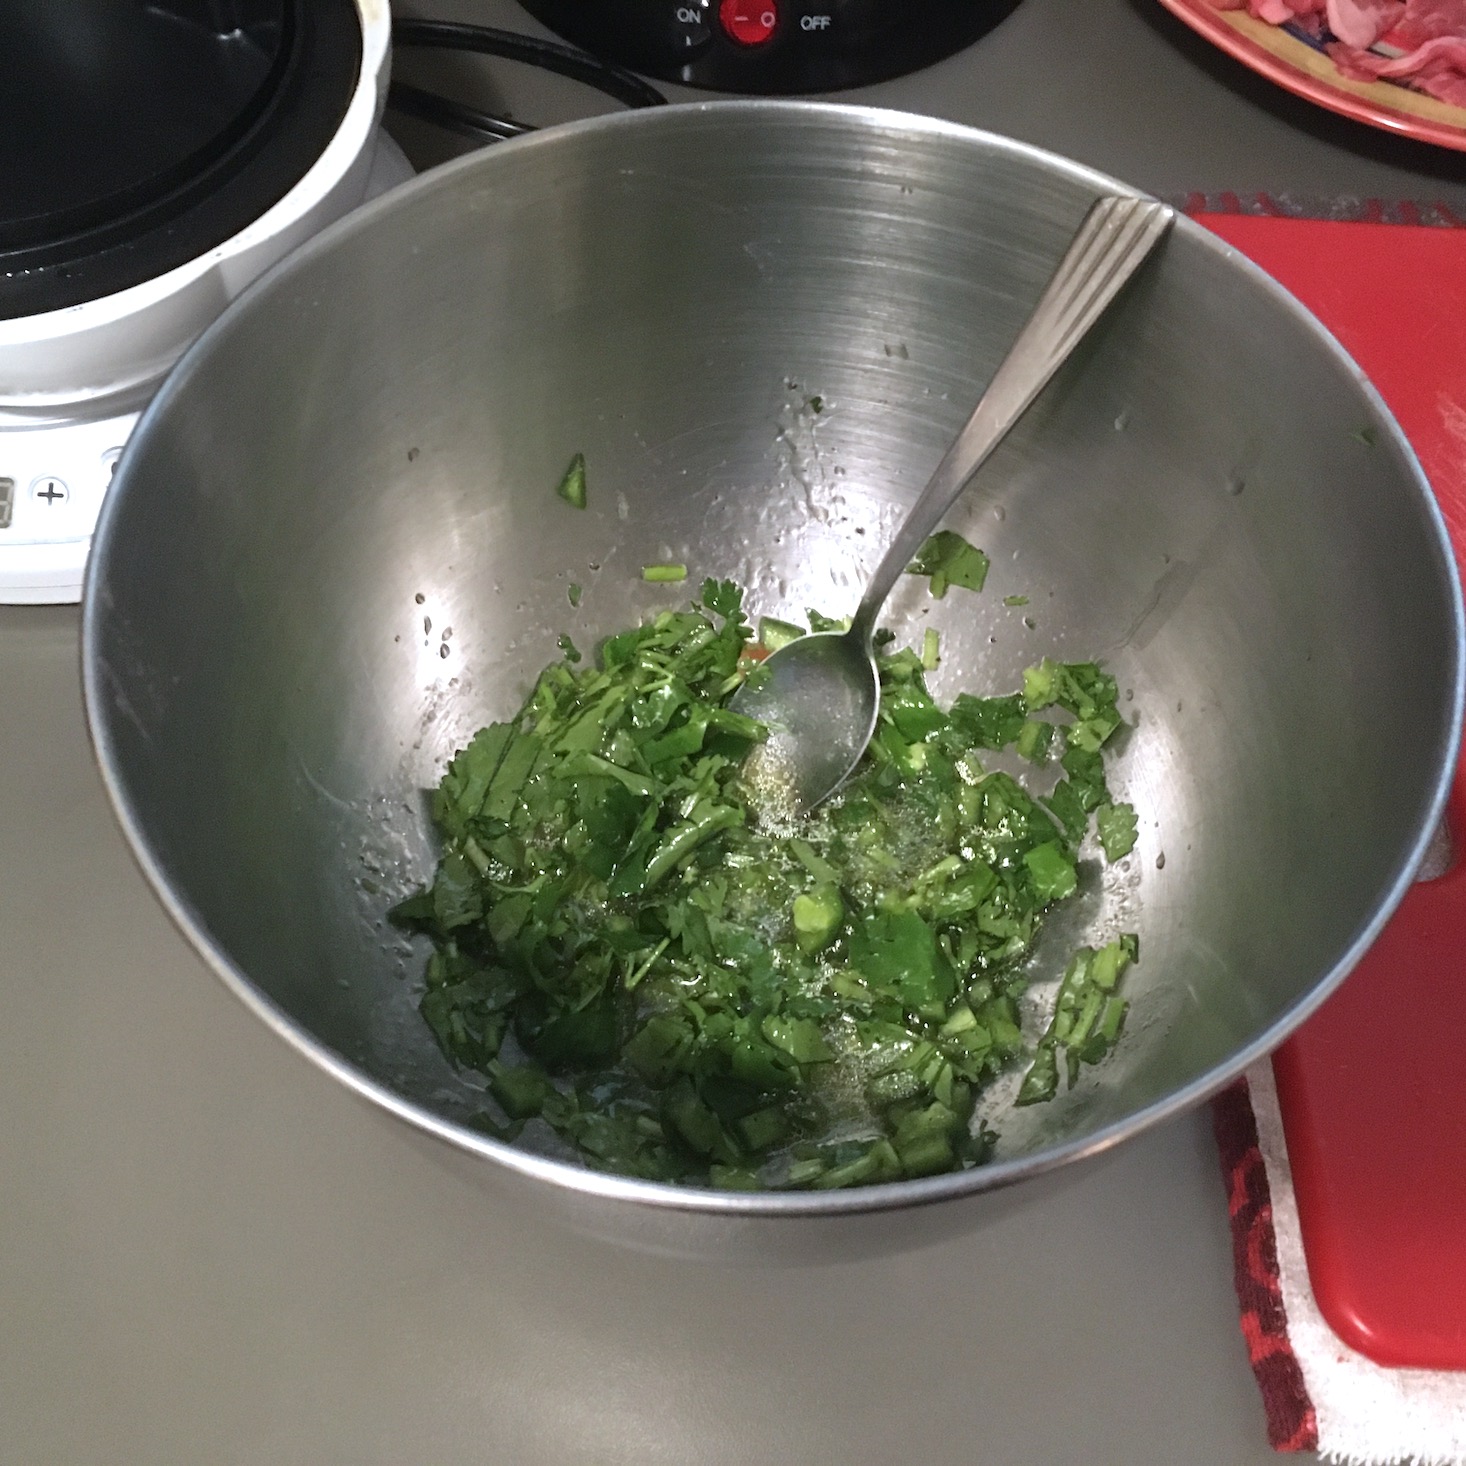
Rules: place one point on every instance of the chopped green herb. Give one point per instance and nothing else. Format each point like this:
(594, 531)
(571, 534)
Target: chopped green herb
(572, 486)
(522, 1090)
(664, 574)
(574, 593)
(1015, 600)
(773, 633)
(989, 722)
(1088, 1016)
(931, 650)
(1364, 435)
(817, 622)
(683, 994)
(817, 917)
(1052, 871)
(947, 559)
(1117, 829)
(1034, 740)
(568, 647)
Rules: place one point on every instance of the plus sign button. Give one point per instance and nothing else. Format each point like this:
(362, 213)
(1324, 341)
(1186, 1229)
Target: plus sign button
(50, 491)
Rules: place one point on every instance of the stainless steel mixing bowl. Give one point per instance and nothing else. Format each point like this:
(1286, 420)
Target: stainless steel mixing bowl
(333, 550)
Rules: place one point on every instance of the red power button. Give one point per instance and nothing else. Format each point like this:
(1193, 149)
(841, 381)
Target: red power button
(749, 22)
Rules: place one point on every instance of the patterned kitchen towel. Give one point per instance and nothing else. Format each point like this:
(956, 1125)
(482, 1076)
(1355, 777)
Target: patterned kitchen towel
(1319, 1394)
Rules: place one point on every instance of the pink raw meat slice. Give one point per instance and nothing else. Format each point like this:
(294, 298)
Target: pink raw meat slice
(1426, 20)
(1362, 22)
(1275, 12)
(1446, 82)
(1437, 68)
(1280, 12)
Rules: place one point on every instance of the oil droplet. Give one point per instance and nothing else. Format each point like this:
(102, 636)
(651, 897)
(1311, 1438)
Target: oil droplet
(412, 455)
(443, 651)
(1160, 861)
(447, 633)
(1123, 421)
(427, 625)
(999, 513)
(1236, 484)
(419, 598)
(1029, 622)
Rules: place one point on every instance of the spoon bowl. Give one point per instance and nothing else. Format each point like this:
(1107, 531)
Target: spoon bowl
(819, 696)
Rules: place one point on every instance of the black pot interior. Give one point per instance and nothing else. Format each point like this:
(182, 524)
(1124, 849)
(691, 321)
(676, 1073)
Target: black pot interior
(140, 134)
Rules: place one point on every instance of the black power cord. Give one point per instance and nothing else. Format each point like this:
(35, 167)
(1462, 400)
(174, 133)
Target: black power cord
(484, 127)
(625, 86)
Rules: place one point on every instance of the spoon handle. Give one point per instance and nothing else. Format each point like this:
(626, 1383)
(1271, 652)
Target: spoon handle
(1116, 236)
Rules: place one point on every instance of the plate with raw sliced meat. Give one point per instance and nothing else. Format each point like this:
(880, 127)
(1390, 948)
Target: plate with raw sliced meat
(1397, 64)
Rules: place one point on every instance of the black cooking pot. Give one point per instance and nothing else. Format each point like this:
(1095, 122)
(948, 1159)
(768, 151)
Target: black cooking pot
(138, 136)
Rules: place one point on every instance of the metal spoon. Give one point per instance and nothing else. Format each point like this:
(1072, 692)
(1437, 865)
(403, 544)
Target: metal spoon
(819, 694)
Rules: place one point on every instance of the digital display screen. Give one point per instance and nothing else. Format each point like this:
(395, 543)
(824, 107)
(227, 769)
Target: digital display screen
(7, 501)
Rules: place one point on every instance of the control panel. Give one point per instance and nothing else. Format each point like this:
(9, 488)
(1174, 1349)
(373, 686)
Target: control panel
(52, 482)
(772, 47)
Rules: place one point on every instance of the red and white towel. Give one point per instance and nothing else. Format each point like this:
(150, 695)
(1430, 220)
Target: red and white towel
(1319, 1394)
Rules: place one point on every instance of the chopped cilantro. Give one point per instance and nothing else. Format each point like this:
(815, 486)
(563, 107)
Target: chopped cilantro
(1034, 740)
(1116, 826)
(664, 574)
(989, 722)
(947, 559)
(817, 622)
(1052, 872)
(773, 633)
(818, 915)
(572, 486)
(1088, 1015)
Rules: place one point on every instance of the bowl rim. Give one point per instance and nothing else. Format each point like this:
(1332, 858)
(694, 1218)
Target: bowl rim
(667, 1197)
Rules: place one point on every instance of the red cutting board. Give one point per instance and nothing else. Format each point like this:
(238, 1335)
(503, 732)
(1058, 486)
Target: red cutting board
(1373, 1087)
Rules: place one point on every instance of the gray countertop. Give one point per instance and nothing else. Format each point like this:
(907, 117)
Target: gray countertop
(212, 1253)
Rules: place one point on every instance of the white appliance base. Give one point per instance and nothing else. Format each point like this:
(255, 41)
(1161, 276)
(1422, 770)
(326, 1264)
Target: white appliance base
(53, 476)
